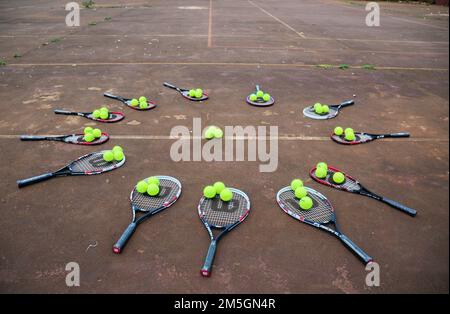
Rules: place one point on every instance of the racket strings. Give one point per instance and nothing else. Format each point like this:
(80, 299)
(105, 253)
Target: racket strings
(169, 190)
(321, 212)
(93, 163)
(309, 112)
(359, 138)
(219, 214)
(349, 184)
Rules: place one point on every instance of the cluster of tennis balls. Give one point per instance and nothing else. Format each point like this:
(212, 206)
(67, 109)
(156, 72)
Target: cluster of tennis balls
(196, 93)
(102, 113)
(141, 102)
(151, 186)
(115, 154)
(91, 134)
(322, 171)
(349, 134)
(321, 109)
(213, 132)
(260, 95)
(211, 191)
(305, 202)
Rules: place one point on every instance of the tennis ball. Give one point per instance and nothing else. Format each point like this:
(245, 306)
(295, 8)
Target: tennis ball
(209, 191)
(321, 172)
(253, 97)
(209, 133)
(218, 133)
(266, 97)
(116, 148)
(318, 110)
(219, 186)
(153, 189)
(338, 177)
(88, 130)
(300, 192)
(296, 183)
(338, 131)
(89, 137)
(317, 106)
(142, 99)
(153, 180)
(325, 109)
(134, 102)
(226, 195)
(349, 130)
(108, 156)
(198, 93)
(192, 93)
(96, 114)
(143, 105)
(142, 186)
(104, 115)
(118, 155)
(322, 165)
(350, 136)
(104, 109)
(97, 133)
(305, 203)
(259, 94)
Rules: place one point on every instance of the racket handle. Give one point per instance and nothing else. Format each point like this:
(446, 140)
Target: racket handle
(33, 138)
(117, 248)
(111, 96)
(396, 205)
(257, 88)
(40, 178)
(361, 254)
(69, 113)
(169, 85)
(403, 134)
(347, 103)
(206, 269)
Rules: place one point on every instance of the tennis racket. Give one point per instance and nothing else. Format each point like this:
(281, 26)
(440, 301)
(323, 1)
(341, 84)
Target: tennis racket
(113, 116)
(216, 214)
(260, 102)
(334, 111)
(77, 139)
(127, 101)
(321, 215)
(169, 192)
(89, 164)
(185, 92)
(365, 137)
(353, 186)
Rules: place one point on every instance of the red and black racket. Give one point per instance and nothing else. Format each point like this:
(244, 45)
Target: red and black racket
(127, 101)
(333, 112)
(353, 186)
(77, 139)
(113, 116)
(169, 192)
(321, 216)
(185, 92)
(361, 138)
(260, 102)
(89, 164)
(217, 214)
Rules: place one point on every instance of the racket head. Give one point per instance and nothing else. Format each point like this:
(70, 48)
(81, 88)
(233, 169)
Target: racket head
(350, 184)
(113, 117)
(260, 102)
(219, 214)
(310, 113)
(151, 105)
(360, 138)
(93, 163)
(170, 191)
(322, 211)
(78, 139)
(185, 94)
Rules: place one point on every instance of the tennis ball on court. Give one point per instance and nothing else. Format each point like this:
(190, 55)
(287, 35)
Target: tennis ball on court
(198, 93)
(96, 114)
(322, 165)
(118, 155)
(209, 191)
(305, 203)
(226, 195)
(209, 133)
(153, 189)
(143, 105)
(253, 97)
(266, 97)
(142, 186)
(192, 93)
(296, 183)
(116, 148)
(321, 172)
(104, 115)
(88, 130)
(219, 186)
(89, 137)
(338, 177)
(142, 99)
(218, 133)
(300, 192)
(153, 180)
(259, 94)
(325, 109)
(97, 133)
(134, 102)
(338, 131)
(108, 156)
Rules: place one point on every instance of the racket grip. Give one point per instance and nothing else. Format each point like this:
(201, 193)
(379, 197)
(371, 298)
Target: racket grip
(110, 96)
(361, 254)
(403, 134)
(40, 178)
(70, 113)
(117, 248)
(206, 269)
(403, 208)
(347, 103)
(32, 138)
(169, 85)
(257, 88)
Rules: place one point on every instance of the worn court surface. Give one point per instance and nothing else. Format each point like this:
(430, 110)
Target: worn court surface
(226, 47)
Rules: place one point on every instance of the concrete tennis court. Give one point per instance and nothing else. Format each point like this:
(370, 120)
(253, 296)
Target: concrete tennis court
(293, 50)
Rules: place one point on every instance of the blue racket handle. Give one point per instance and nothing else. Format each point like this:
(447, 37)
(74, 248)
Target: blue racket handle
(117, 248)
(206, 269)
(36, 179)
(403, 134)
(361, 254)
(396, 205)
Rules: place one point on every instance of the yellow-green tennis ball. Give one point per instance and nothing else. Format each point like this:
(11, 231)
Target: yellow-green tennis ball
(118, 155)
(104, 109)
(142, 99)
(306, 203)
(321, 172)
(349, 130)
(219, 186)
(209, 191)
(134, 102)
(89, 137)
(350, 136)
(116, 148)
(317, 106)
(325, 109)
(143, 105)
(198, 93)
(338, 177)
(296, 183)
(88, 130)
(153, 180)
(209, 133)
(108, 156)
(153, 189)
(300, 192)
(142, 186)
(253, 97)
(338, 131)
(104, 115)
(266, 97)
(192, 93)
(96, 114)
(218, 133)
(226, 195)
(318, 110)
(322, 165)
(259, 94)
(97, 133)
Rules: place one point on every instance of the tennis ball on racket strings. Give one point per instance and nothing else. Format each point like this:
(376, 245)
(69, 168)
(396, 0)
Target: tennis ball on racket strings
(218, 133)
(97, 133)
(349, 130)
(259, 94)
(226, 195)
(198, 93)
(338, 131)
(305, 203)
(153, 180)
(118, 155)
(142, 186)
(209, 133)
(104, 109)
(143, 105)
(219, 186)
(318, 110)
(321, 172)
(300, 192)
(296, 183)
(96, 114)
(88, 130)
(104, 115)
(317, 106)
(142, 99)
(134, 102)
(209, 191)
(253, 97)
(108, 156)
(266, 97)
(191, 93)
(338, 177)
(116, 148)
(322, 165)
(89, 137)
(153, 189)
(325, 109)
(350, 137)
